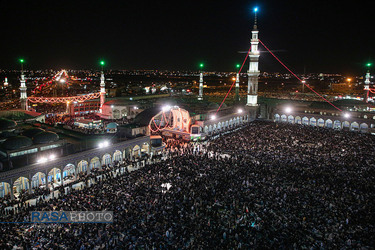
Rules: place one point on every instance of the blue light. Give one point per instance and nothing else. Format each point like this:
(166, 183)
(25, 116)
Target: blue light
(256, 9)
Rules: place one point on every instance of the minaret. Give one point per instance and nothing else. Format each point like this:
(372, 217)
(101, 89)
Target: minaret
(253, 72)
(23, 97)
(367, 85)
(102, 88)
(237, 98)
(200, 95)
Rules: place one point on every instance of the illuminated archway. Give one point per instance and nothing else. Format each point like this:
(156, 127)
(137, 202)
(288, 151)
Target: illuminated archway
(345, 125)
(363, 127)
(283, 118)
(39, 179)
(136, 151)
(106, 159)
(312, 121)
(305, 121)
(116, 114)
(145, 148)
(127, 153)
(69, 172)
(4, 189)
(291, 119)
(54, 176)
(320, 122)
(354, 126)
(337, 124)
(117, 156)
(95, 162)
(328, 123)
(298, 120)
(21, 185)
(82, 166)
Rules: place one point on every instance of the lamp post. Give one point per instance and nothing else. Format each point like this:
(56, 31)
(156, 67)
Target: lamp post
(349, 80)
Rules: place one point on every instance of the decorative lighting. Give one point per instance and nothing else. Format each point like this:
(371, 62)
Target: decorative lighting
(240, 111)
(166, 108)
(288, 110)
(103, 144)
(42, 160)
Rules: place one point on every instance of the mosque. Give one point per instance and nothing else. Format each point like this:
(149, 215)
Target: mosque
(191, 120)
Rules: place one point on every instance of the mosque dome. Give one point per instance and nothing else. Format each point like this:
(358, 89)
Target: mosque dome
(111, 125)
(45, 137)
(6, 124)
(32, 132)
(213, 105)
(145, 116)
(17, 142)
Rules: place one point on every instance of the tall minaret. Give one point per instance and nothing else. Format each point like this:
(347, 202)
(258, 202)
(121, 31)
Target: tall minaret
(253, 73)
(237, 98)
(367, 85)
(200, 95)
(23, 97)
(102, 88)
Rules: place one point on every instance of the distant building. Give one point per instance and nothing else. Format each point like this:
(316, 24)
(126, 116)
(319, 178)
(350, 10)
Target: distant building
(120, 108)
(20, 146)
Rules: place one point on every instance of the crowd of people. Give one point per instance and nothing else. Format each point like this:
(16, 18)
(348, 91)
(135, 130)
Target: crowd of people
(266, 185)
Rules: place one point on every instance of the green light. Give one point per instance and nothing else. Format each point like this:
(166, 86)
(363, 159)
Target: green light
(368, 64)
(237, 66)
(102, 63)
(21, 60)
(201, 65)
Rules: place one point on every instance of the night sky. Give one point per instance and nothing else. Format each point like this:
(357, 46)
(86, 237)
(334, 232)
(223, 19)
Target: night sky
(320, 36)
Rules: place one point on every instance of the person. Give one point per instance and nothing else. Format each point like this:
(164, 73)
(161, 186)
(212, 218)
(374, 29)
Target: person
(260, 186)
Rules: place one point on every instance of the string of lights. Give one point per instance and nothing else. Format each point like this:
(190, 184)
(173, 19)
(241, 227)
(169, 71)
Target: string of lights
(297, 76)
(243, 63)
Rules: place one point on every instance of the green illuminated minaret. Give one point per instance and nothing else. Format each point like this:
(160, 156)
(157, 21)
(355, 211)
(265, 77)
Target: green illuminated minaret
(237, 97)
(23, 88)
(102, 87)
(200, 96)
